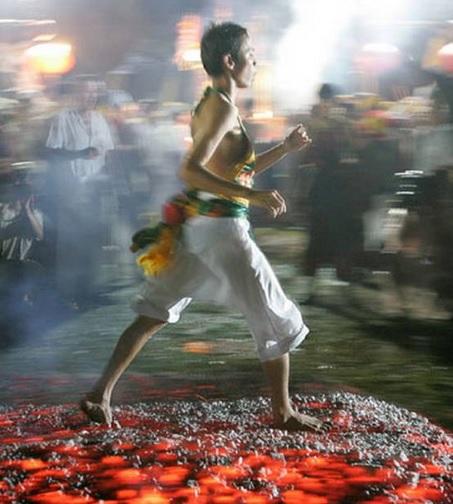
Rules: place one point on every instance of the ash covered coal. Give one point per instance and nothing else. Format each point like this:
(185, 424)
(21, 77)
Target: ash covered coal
(202, 451)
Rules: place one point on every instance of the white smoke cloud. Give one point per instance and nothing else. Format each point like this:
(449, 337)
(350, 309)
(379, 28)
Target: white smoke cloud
(310, 43)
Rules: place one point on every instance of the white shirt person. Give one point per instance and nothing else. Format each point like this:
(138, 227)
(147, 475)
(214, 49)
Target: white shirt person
(78, 132)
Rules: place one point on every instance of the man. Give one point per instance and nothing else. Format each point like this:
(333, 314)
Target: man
(78, 141)
(334, 229)
(217, 259)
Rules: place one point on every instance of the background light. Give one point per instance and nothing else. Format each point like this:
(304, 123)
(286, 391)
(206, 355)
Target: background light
(307, 47)
(192, 56)
(187, 46)
(51, 58)
(446, 58)
(310, 46)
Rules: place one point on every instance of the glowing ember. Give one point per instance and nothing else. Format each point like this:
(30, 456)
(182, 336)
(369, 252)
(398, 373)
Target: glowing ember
(223, 452)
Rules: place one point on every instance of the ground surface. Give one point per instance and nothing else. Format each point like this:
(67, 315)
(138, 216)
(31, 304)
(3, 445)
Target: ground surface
(224, 452)
(192, 425)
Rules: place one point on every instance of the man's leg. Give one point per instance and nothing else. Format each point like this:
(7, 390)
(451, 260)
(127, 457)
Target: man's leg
(96, 405)
(285, 417)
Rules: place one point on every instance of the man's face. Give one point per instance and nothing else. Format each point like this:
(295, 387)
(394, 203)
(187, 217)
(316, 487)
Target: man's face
(87, 95)
(245, 68)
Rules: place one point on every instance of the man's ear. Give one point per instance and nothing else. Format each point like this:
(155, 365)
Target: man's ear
(228, 61)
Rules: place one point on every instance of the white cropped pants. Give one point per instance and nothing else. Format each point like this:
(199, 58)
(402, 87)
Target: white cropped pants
(217, 261)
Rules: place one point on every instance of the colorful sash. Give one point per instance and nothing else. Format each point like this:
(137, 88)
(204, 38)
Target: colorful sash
(162, 238)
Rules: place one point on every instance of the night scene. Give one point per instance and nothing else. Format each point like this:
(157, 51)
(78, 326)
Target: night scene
(226, 252)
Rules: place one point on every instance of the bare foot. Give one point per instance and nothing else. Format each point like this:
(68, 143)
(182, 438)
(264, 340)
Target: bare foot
(299, 422)
(97, 412)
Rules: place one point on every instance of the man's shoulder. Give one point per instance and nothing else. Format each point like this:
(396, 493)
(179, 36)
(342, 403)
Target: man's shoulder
(218, 101)
(216, 108)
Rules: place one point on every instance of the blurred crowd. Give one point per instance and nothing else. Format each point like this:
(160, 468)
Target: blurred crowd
(378, 195)
(82, 167)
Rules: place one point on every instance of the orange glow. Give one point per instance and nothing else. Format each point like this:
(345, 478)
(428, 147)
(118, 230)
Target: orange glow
(229, 472)
(113, 460)
(32, 464)
(199, 347)
(313, 485)
(225, 499)
(254, 499)
(292, 478)
(446, 57)
(51, 473)
(316, 463)
(174, 476)
(130, 476)
(203, 469)
(294, 497)
(167, 458)
(255, 461)
(419, 493)
(187, 51)
(126, 494)
(150, 496)
(51, 58)
(74, 451)
(59, 497)
(432, 469)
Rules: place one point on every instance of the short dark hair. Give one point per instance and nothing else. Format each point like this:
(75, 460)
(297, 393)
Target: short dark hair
(327, 91)
(218, 40)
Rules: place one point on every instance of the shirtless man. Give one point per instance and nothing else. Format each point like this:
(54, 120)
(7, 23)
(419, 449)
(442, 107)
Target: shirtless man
(217, 259)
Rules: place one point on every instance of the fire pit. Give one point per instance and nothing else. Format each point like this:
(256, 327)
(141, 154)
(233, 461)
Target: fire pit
(218, 451)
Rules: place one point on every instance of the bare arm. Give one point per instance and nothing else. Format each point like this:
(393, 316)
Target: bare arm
(295, 141)
(268, 158)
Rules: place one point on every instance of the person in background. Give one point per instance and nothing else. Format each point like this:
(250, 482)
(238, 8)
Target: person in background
(77, 144)
(331, 222)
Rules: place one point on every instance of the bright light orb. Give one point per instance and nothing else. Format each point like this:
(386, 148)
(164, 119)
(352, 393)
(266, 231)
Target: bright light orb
(446, 58)
(51, 58)
(192, 56)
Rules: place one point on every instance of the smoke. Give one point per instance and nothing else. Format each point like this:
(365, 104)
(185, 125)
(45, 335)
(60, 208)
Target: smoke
(30, 303)
(319, 42)
(307, 48)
